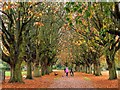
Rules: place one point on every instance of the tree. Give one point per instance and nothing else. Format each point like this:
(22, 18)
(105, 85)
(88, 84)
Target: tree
(48, 34)
(108, 41)
(28, 48)
(95, 20)
(15, 17)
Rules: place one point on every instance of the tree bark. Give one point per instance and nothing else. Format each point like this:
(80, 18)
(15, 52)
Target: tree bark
(15, 64)
(49, 68)
(77, 68)
(80, 68)
(44, 67)
(111, 66)
(94, 69)
(84, 69)
(16, 75)
(29, 70)
(36, 71)
(97, 69)
(90, 69)
(43, 70)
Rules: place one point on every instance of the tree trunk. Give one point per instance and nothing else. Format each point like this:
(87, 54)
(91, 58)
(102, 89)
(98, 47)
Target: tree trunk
(84, 69)
(94, 69)
(49, 69)
(44, 67)
(16, 75)
(80, 68)
(90, 69)
(36, 67)
(97, 68)
(36, 71)
(29, 70)
(77, 68)
(111, 67)
(43, 70)
(98, 71)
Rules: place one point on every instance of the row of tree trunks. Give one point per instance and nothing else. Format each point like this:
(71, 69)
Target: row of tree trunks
(88, 68)
(45, 69)
(97, 68)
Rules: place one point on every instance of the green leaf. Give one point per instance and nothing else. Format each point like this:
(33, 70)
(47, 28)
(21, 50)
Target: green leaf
(87, 14)
(68, 19)
(80, 22)
(72, 3)
(107, 12)
(75, 9)
(71, 24)
(77, 18)
(80, 10)
(67, 9)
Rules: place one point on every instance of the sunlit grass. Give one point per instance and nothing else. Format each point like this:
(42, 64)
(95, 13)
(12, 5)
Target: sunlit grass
(7, 73)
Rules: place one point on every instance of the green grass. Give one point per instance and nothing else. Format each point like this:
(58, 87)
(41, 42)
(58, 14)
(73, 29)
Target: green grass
(7, 73)
(24, 72)
(86, 78)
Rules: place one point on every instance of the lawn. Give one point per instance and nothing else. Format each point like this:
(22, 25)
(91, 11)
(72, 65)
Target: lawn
(7, 73)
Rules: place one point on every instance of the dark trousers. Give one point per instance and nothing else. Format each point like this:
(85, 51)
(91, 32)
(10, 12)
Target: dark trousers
(66, 73)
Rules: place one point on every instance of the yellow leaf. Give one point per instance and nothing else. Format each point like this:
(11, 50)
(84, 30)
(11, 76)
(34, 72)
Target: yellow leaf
(40, 14)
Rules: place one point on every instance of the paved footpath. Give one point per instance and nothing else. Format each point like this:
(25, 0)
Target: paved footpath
(71, 82)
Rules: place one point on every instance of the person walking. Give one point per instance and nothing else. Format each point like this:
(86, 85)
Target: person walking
(66, 71)
(71, 72)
